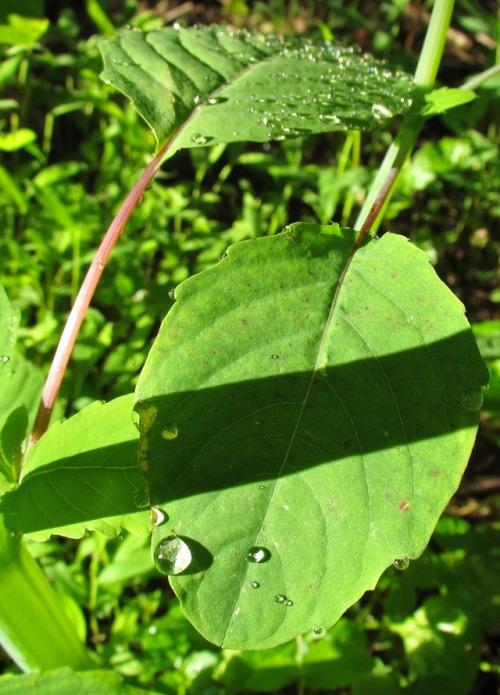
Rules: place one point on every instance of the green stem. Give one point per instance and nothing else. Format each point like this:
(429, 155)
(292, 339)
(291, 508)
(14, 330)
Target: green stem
(425, 75)
(34, 630)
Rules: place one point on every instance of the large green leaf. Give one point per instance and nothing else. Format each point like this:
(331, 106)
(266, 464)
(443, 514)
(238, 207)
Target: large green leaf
(326, 423)
(82, 475)
(207, 85)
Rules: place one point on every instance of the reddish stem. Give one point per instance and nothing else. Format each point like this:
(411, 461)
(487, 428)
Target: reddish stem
(84, 297)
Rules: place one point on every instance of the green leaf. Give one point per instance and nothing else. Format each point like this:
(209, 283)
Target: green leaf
(442, 645)
(325, 419)
(206, 85)
(64, 680)
(20, 389)
(444, 99)
(82, 475)
(328, 662)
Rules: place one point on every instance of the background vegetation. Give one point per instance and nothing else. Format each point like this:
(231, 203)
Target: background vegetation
(70, 150)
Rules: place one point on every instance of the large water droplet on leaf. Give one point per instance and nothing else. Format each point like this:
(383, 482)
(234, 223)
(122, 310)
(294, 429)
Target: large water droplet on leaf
(472, 399)
(258, 554)
(279, 598)
(254, 585)
(172, 555)
(4, 358)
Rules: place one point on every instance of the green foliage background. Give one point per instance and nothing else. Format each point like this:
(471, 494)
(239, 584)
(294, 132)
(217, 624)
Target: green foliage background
(70, 148)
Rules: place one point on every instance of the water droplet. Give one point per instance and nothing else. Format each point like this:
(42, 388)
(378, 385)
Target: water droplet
(216, 100)
(275, 357)
(197, 99)
(170, 432)
(279, 598)
(318, 630)
(222, 256)
(4, 358)
(141, 498)
(157, 516)
(254, 585)
(199, 139)
(172, 555)
(472, 399)
(288, 602)
(401, 563)
(381, 112)
(258, 554)
(171, 294)
(262, 487)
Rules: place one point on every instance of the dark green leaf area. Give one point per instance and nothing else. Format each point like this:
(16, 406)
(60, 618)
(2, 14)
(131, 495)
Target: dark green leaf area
(325, 418)
(82, 475)
(223, 85)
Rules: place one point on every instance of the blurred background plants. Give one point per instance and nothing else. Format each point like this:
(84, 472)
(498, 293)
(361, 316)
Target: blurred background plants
(70, 149)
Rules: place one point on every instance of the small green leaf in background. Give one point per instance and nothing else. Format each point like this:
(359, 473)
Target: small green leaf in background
(20, 388)
(442, 647)
(82, 475)
(305, 433)
(444, 99)
(207, 85)
(17, 139)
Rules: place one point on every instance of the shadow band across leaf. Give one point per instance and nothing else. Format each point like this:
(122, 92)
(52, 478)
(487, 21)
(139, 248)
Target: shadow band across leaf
(391, 426)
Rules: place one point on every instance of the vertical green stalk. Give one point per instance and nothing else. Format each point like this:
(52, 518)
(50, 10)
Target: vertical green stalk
(34, 629)
(425, 75)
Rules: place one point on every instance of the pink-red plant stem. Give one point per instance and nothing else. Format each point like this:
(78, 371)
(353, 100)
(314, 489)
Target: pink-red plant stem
(84, 297)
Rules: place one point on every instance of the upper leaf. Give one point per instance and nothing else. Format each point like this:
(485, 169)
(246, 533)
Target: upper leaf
(302, 428)
(207, 85)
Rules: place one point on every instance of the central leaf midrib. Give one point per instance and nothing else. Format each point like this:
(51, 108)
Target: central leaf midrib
(315, 369)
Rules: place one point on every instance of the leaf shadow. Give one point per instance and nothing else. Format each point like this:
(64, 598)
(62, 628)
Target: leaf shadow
(255, 430)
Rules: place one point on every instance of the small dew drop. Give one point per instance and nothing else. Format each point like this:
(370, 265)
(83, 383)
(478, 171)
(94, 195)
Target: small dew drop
(288, 602)
(222, 256)
(171, 294)
(275, 357)
(258, 554)
(381, 112)
(262, 487)
(318, 630)
(199, 139)
(157, 516)
(254, 585)
(472, 399)
(279, 598)
(401, 563)
(172, 555)
(4, 358)
(141, 498)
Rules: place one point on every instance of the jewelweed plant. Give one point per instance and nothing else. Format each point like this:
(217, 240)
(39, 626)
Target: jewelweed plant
(310, 402)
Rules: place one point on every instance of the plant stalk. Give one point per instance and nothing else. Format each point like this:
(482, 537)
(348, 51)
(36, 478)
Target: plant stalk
(34, 629)
(381, 189)
(84, 296)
